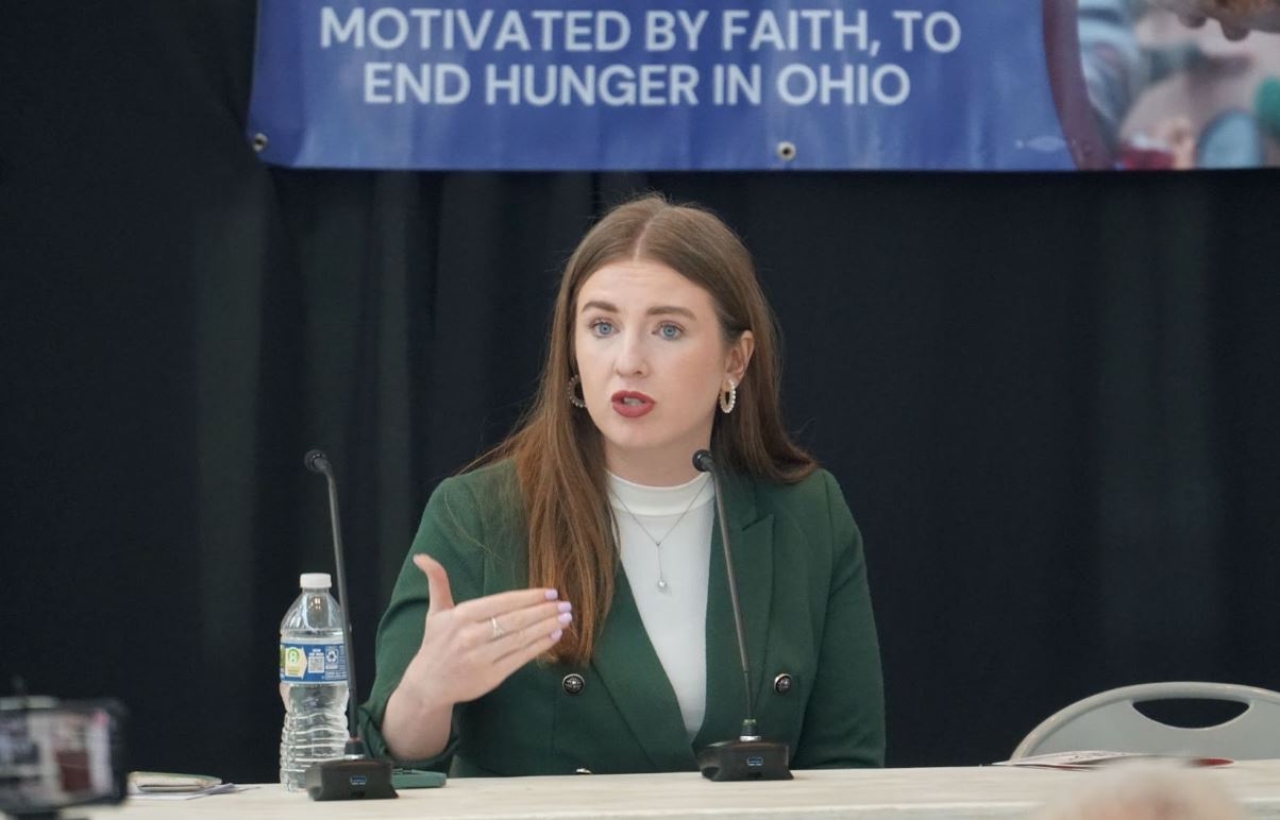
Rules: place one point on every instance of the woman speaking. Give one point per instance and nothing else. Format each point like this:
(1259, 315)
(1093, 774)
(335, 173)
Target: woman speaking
(565, 606)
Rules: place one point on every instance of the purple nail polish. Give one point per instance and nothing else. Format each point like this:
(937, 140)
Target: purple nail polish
(555, 636)
(565, 619)
(552, 594)
(564, 606)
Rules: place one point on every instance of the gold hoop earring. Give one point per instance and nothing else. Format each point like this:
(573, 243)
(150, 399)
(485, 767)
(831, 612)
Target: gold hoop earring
(573, 396)
(729, 399)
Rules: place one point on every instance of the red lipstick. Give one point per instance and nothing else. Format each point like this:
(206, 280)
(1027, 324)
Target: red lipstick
(631, 404)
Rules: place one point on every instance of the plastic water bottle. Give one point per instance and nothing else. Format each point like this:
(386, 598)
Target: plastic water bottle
(313, 681)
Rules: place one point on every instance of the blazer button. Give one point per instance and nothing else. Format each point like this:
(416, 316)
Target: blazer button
(573, 683)
(782, 684)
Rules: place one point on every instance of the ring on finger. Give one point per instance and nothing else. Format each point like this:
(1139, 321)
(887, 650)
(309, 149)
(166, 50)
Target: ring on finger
(498, 631)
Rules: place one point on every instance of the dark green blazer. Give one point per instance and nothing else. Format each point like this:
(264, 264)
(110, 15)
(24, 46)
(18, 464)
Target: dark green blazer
(806, 611)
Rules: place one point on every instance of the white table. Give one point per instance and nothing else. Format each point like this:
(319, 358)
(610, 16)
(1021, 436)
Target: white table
(818, 795)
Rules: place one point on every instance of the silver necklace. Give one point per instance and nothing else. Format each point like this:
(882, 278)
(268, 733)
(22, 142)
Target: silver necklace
(657, 542)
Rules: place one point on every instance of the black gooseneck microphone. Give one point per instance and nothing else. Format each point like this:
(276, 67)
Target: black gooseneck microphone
(750, 757)
(355, 776)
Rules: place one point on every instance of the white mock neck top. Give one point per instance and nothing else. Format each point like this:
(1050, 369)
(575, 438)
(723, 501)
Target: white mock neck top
(674, 612)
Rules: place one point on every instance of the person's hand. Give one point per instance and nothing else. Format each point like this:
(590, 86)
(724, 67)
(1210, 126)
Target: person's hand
(469, 648)
(1176, 132)
(1237, 17)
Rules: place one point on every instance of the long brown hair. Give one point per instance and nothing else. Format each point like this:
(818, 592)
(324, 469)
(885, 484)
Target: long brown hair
(557, 450)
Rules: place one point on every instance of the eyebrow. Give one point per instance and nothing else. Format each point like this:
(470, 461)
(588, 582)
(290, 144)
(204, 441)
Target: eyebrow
(656, 310)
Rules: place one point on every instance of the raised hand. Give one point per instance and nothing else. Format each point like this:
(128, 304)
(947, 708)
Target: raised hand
(469, 648)
(1237, 17)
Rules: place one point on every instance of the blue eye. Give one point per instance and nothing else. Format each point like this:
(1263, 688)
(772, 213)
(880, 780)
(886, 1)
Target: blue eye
(601, 327)
(667, 331)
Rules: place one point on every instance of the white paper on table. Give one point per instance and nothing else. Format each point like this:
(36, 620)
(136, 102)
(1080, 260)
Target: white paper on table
(1098, 759)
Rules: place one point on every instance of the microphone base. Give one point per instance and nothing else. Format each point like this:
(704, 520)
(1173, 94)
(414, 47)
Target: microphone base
(737, 760)
(350, 779)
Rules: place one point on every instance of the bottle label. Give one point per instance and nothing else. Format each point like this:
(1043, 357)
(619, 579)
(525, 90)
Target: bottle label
(319, 662)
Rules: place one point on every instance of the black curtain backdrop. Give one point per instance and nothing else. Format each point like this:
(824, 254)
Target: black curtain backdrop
(1051, 399)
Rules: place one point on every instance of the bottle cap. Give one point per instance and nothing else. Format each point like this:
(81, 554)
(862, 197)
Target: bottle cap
(314, 580)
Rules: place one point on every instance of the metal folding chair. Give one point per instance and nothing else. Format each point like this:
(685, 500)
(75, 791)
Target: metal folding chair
(1109, 722)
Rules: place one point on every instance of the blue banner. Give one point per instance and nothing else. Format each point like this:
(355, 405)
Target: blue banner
(670, 85)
